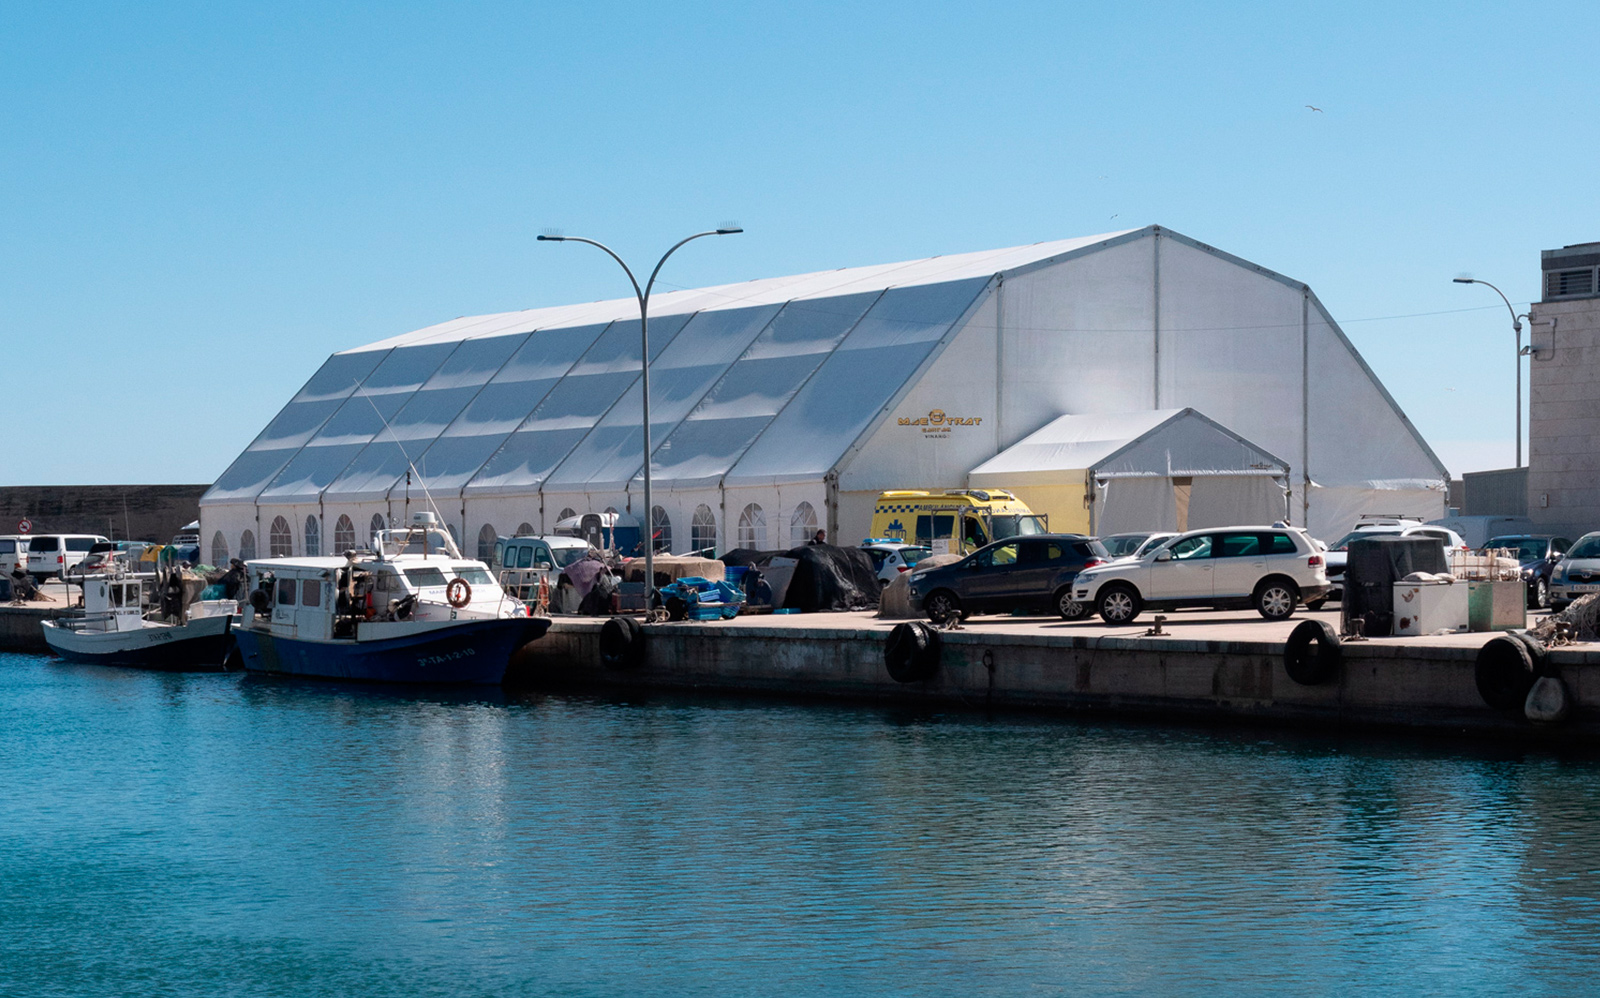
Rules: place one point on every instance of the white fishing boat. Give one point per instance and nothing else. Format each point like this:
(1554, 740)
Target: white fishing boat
(411, 611)
(116, 629)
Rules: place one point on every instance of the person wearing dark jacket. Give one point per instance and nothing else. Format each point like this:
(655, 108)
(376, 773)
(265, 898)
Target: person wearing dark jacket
(820, 537)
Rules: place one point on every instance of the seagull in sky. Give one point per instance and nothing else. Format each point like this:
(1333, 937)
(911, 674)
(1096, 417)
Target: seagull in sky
(1316, 109)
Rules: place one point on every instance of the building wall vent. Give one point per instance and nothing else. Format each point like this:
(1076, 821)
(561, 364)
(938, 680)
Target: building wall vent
(1569, 283)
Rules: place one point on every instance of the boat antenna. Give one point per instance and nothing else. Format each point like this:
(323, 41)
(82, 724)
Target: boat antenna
(410, 466)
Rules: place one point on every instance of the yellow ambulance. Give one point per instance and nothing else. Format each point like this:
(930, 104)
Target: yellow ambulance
(954, 521)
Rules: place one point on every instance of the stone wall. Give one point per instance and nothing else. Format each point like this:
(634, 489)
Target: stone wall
(121, 512)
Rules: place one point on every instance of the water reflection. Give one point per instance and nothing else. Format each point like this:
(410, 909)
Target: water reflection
(209, 834)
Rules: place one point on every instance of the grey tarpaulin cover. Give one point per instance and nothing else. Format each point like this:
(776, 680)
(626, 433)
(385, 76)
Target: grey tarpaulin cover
(826, 578)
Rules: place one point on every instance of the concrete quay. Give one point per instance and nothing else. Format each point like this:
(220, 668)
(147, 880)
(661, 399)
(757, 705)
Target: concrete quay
(1216, 666)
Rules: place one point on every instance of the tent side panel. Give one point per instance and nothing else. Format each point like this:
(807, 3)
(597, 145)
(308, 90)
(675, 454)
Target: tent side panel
(1230, 346)
(959, 386)
(1076, 336)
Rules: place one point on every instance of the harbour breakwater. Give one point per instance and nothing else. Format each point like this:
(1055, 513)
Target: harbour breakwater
(1231, 672)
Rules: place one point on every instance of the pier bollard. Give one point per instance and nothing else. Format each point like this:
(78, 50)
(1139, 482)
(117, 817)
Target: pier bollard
(621, 643)
(1312, 654)
(912, 652)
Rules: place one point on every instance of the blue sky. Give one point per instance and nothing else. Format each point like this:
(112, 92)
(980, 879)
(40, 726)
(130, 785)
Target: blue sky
(199, 202)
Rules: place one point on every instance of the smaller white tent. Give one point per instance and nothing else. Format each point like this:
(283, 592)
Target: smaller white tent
(1159, 469)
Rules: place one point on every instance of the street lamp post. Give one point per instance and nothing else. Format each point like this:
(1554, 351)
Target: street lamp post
(1516, 327)
(644, 355)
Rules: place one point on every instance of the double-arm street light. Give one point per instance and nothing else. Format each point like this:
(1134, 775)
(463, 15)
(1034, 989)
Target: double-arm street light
(644, 354)
(1516, 328)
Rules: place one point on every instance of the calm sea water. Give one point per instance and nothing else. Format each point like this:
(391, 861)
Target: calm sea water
(227, 835)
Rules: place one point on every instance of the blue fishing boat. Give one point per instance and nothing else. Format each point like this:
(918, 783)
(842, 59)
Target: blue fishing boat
(411, 611)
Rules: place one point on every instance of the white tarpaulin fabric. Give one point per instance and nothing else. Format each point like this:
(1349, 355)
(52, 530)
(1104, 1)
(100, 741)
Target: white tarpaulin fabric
(1165, 469)
(1162, 443)
(837, 384)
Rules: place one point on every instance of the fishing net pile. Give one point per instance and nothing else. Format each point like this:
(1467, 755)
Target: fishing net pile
(1580, 621)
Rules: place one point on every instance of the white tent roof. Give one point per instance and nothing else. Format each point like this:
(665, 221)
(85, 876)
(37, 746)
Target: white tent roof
(1152, 443)
(761, 382)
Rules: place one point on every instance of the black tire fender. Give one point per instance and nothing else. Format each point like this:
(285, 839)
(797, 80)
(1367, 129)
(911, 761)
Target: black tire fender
(1537, 653)
(621, 643)
(1504, 672)
(1312, 654)
(912, 652)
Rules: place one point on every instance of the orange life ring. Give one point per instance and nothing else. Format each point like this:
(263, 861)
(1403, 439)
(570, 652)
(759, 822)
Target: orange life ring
(458, 593)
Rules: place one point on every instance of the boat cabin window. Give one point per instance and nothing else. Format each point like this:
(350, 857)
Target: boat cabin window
(286, 592)
(311, 593)
(423, 578)
(389, 582)
(474, 575)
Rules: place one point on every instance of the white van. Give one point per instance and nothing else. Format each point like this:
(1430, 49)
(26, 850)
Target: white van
(51, 555)
(524, 561)
(13, 552)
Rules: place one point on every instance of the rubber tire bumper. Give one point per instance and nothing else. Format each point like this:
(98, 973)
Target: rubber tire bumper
(1312, 654)
(621, 643)
(1504, 672)
(912, 652)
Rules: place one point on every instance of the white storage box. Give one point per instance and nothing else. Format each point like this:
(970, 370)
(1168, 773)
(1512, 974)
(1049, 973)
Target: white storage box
(1429, 607)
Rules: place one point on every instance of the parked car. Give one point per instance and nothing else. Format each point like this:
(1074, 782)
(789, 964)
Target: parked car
(13, 552)
(891, 557)
(1478, 530)
(1578, 572)
(1338, 552)
(52, 555)
(1538, 555)
(522, 562)
(1026, 573)
(1272, 569)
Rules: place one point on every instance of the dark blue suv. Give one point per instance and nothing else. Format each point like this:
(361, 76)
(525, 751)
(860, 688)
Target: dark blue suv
(1022, 573)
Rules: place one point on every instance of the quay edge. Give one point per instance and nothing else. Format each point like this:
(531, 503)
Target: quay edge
(1414, 684)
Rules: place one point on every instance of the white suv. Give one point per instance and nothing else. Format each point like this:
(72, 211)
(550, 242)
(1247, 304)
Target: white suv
(1272, 569)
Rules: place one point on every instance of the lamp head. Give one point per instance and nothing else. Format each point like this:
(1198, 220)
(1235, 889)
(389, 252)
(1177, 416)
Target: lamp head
(729, 231)
(1464, 280)
(550, 239)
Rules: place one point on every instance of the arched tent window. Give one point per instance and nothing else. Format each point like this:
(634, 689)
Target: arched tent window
(525, 529)
(486, 539)
(247, 546)
(313, 537)
(344, 534)
(703, 528)
(280, 542)
(219, 549)
(752, 527)
(455, 535)
(566, 514)
(802, 524)
(660, 530)
(377, 525)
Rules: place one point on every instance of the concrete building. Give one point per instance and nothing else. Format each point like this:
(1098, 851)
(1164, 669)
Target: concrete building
(1564, 393)
(785, 404)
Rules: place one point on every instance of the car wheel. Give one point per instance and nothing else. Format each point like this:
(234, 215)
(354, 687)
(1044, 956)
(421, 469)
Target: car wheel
(1540, 598)
(1118, 604)
(941, 605)
(1068, 609)
(1276, 599)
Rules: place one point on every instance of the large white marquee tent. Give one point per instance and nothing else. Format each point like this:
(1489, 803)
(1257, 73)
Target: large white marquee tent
(785, 404)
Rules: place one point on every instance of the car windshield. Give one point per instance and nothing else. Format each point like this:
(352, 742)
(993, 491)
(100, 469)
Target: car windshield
(1588, 546)
(1016, 525)
(568, 556)
(913, 555)
(1151, 543)
(1356, 535)
(1527, 548)
(1125, 544)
